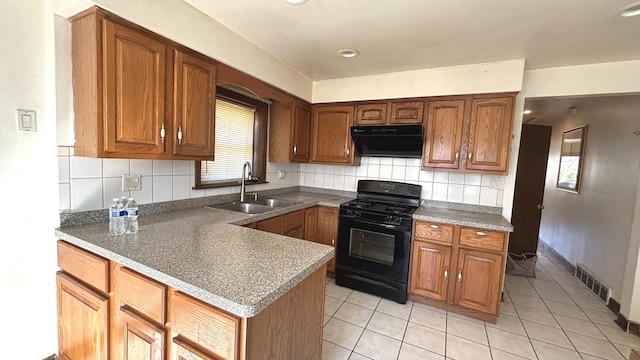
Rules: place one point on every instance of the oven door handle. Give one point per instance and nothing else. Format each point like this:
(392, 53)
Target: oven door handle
(373, 223)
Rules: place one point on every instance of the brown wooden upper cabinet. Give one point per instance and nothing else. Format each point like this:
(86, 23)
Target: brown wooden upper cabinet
(194, 105)
(331, 139)
(290, 132)
(469, 133)
(389, 112)
(130, 101)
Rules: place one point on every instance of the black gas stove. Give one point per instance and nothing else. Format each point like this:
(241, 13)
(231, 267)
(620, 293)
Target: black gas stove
(374, 238)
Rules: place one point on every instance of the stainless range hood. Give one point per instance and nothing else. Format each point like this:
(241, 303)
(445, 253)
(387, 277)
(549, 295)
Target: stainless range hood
(402, 141)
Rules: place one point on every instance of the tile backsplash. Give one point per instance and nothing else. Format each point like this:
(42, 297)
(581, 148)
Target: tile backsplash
(90, 183)
(465, 188)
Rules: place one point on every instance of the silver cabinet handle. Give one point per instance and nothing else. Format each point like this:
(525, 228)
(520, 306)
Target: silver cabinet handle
(348, 151)
(470, 155)
(481, 233)
(457, 155)
(179, 135)
(162, 133)
(295, 150)
(460, 275)
(333, 241)
(446, 273)
(434, 226)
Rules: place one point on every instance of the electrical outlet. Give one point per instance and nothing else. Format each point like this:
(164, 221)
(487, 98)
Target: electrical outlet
(281, 174)
(131, 182)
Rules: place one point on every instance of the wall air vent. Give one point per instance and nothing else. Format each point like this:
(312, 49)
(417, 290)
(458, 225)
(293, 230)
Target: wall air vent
(601, 290)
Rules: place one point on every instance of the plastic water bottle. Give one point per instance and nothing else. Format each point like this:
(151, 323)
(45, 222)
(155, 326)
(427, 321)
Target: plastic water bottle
(131, 219)
(116, 221)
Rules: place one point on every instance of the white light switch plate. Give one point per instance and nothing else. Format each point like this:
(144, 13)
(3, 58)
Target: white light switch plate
(26, 120)
(131, 182)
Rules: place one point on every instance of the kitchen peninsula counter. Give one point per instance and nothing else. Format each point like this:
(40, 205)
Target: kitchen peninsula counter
(201, 253)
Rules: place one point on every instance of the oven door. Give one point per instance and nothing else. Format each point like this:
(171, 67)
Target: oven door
(374, 248)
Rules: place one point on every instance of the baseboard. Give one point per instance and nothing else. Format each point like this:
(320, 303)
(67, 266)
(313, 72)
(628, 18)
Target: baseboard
(550, 252)
(626, 325)
(613, 305)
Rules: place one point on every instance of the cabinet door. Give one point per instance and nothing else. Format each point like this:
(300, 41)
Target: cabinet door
(478, 280)
(444, 134)
(331, 142)
(327, 231)
(134, 91)
(141, 339)
(489, 134)
(294, 224)
(82, 320)
(274, 225)
(407, 112)
(311, 223)
(301, 132)
(194, 106)
(430, 270)
(183, 349)
(371, 114)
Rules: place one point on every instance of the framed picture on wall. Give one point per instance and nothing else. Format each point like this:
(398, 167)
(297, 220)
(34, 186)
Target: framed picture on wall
(571, 159)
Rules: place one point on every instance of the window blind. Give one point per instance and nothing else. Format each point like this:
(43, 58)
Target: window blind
(233, 142)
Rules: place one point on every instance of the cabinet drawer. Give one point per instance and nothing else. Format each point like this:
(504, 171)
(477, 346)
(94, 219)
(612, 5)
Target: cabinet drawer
(293, 220)
(144, 295)
(433, 231)
(90, 268)
(213, 329)
(483, 239)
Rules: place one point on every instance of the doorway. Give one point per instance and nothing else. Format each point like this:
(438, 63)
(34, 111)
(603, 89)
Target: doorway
(529, 188)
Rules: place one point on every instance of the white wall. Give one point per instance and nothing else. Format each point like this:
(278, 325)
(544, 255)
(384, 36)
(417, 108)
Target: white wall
(504, 76)
(606, 78)
(90, 183)
(28, 168)
(464, 188)
(594, 226)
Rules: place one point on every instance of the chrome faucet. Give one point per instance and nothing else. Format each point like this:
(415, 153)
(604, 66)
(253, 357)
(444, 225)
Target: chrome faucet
(242, 184)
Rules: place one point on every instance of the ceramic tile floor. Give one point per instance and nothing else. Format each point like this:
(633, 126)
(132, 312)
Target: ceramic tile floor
(550, 317)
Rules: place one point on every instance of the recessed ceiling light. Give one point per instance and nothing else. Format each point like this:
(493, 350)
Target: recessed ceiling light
(295, 2)
(630, 10)
(348, 53)
(527, 112)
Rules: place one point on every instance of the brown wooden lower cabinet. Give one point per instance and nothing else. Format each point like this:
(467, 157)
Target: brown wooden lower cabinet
(142, 339)
(318, 224)
(141, 318)
(458, 268)
(479, 280)
(83, 320)
(430, 264)
(291, 224)
(321, 226)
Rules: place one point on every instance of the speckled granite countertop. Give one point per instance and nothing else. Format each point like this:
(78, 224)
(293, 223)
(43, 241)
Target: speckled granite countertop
(464, 218)
(202, 252)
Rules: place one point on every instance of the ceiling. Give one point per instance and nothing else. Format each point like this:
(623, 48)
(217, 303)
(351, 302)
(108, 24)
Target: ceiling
(399, 35)
(622, 109)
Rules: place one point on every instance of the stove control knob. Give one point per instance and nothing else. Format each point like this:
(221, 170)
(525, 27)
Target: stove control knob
(357, 213)
(392, 219)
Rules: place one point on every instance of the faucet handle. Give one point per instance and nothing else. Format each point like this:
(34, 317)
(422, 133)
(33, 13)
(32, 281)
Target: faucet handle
(255, 195)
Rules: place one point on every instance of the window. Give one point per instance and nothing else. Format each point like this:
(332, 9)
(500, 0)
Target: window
(240, 136)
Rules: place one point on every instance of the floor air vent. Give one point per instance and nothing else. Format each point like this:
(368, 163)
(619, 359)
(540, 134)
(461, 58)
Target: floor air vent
(601, 290)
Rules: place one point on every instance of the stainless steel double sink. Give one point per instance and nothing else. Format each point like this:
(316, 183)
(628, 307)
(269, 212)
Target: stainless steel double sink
(254, 206)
